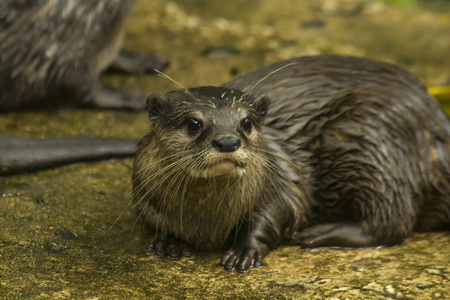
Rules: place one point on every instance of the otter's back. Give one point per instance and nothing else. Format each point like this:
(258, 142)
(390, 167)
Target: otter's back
(310, 83)
(351, 112)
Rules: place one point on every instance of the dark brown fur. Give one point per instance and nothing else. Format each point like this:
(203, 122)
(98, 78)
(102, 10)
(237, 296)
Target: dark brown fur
(52, 52)
(353, 153)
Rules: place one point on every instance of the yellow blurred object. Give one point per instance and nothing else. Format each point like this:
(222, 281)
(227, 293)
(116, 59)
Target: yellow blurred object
(444, 18)
(441, 93)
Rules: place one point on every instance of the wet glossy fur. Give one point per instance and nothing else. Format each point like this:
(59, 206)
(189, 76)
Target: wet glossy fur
(380, 143)
(56, 49)
(353, 153)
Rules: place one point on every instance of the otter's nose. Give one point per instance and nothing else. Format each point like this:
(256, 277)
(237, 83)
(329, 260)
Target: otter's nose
(226, 144)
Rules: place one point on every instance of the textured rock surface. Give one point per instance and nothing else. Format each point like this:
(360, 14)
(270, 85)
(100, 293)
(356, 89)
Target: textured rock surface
(68, 233)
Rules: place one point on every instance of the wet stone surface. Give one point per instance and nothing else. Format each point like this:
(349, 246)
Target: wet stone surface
(69, 232)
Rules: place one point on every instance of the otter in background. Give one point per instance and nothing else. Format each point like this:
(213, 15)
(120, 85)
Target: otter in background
(52, 53)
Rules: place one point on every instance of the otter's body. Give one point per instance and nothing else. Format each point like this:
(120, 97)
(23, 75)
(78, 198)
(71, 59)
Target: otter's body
(352, 153)
(52, 52)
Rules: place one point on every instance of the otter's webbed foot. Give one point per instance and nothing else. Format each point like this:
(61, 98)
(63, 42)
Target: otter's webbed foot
(131, 63)
(166, 246)
(137, 64)
(341, 235)
(105, 97)
(242, 258)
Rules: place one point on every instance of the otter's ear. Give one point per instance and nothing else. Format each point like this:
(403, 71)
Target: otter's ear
(157, 105)
(261, 105)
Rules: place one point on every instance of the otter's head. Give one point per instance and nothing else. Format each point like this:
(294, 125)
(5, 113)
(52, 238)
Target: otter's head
(209, 131)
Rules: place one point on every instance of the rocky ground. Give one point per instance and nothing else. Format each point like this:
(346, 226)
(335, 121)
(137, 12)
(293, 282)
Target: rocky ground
(69, 233)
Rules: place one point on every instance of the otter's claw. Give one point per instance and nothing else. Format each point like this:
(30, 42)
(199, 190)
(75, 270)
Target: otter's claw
(163, 246)
(241, 260)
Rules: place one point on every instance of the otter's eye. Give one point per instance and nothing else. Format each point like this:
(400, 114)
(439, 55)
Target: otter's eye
(194, 126)
(246, 124)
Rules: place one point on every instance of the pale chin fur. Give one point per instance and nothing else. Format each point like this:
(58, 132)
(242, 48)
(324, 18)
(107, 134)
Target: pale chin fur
(224, 166)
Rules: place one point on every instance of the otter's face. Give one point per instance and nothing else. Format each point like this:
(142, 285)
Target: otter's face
(208, 131)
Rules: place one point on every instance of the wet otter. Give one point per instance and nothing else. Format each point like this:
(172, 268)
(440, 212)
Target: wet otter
(328, 152)
(52, 52)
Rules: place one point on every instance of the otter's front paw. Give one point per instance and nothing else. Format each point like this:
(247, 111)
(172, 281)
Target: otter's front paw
(242, 259)
(164, 246)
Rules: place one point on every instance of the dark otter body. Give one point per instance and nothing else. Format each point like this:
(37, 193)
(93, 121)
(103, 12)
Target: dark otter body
(19, 155)
(353, 153)
(52, 52)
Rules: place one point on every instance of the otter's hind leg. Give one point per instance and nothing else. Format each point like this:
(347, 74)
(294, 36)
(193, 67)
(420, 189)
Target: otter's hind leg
(368, 195)
(101, 96)
(342, 235)
(137, 64)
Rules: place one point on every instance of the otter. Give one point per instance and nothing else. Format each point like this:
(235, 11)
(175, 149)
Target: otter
(52, 52)
(329, 151)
